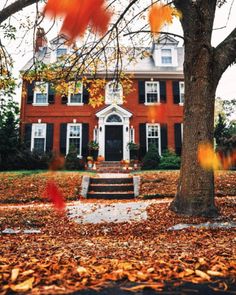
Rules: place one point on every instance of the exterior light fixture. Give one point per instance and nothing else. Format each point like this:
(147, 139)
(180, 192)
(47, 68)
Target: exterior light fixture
(74, 120)
(39, 121)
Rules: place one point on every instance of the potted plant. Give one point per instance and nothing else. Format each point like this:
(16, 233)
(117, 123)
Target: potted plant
(93, 147)
(133, 148)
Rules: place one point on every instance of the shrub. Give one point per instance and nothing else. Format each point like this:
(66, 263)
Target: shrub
(72, 161)
(169, 160)
(152, 159)
(25, 159)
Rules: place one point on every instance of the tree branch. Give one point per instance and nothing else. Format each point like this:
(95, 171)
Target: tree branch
(16, 6)
(225, 53)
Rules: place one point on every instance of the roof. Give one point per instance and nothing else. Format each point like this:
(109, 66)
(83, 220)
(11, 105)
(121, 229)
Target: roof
(141, 66)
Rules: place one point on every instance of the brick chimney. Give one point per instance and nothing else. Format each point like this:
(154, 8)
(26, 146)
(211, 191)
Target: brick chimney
(41, 40)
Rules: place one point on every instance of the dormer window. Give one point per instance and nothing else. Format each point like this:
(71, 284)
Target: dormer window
(75, 96)
(114, 93)
(61, 52)
(166, 56)
(40, 93)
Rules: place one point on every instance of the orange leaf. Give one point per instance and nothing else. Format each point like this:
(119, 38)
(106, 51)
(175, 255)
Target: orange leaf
(78, 15)
(159, 15)
(53, 193)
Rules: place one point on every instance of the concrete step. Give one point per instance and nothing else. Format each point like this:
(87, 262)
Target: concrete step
(111, 188)
(109, 195)
(123, 180)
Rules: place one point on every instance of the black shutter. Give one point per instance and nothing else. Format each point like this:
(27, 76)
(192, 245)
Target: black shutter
(163, 91)
(141, 90)
(86, 93)
(85, 139)
(51, 94)
(178, 139)
(164, 144)
(176, 92)
(63, 133)
(49, 137)
(142, 140)
(27, 135)
(30, 92)
(64, 99)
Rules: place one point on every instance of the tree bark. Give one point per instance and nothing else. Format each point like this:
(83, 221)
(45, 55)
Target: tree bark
(195, 193)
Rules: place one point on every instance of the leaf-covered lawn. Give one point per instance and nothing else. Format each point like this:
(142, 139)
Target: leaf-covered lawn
(67, 256)
(27, 187)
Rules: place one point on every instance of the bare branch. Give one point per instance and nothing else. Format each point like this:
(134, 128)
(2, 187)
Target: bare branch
(6, 12)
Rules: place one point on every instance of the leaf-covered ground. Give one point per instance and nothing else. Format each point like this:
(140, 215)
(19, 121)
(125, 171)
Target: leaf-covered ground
(24, 187)
(66, 257)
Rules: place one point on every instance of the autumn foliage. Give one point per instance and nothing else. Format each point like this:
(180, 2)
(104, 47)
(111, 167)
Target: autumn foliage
(78, 15)
(160, 15)
(211, 160)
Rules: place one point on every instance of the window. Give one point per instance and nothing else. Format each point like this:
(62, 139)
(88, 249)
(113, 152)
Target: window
(152, 92)
(41, 93)
(114, 93)
(60, 52)
(74, 138)
(153, 136)
(181, 92)
(75, 93)
(166, 56)
(38, 140)
(113, 118)
(131, 134)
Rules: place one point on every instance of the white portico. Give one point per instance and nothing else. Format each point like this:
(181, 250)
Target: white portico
(113, 133)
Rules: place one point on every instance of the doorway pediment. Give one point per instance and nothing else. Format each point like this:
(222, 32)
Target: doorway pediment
(114, 109)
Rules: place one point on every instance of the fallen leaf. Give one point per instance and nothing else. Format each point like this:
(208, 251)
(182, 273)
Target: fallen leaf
(24, 286)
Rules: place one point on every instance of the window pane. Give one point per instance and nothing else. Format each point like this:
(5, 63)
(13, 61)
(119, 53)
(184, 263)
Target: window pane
(61, 52)
(41, 98)
(166, 52)
(166, 59)
(74, 143)
(74, 131)
(39, 145)
(76, 98)
(39, 131)
(154, 141)
(114, 118)
(152, 97)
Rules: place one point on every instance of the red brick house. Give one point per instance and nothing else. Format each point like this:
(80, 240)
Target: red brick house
(152, 113)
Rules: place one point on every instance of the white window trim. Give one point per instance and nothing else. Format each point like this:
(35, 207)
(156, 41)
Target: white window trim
(108, 101)
(37, 92)
(33, 137)
(67, 137)
(180, 100)
(182, 132)
(159, 136)
(69, 103)
(95, 134)
(158, 93)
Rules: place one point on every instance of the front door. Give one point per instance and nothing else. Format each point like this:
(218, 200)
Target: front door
(113, 143)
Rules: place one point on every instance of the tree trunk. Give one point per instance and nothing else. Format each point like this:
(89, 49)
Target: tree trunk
(195, 193)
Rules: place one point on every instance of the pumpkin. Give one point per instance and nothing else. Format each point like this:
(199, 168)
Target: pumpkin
(100, 158)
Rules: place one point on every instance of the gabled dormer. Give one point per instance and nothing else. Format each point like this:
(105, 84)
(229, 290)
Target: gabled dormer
(164, 52)
(60, 47)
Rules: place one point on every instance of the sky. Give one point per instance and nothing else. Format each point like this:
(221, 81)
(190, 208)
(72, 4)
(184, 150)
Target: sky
(225, 19)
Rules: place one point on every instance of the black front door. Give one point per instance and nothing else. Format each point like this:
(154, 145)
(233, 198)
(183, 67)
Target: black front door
(113, 143)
